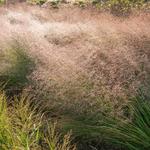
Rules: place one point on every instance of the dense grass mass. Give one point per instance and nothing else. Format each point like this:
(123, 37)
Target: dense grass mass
(132, 135)
(20, 129)
(23, 127)
(127, 133)
(76, 77)
(16, 65)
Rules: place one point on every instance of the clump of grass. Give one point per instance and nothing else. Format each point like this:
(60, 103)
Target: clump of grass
(120, 7)
(134, 135)
(21, 124)
(26, 123)
(55, 140)
(124, 7)
(16, 65)
(5, 127)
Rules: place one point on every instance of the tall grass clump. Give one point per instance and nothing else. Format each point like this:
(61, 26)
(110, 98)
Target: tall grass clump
(56, 141)
(26, 123)
(19, 125)
(131, 132)
(134, 134)
(22, 127)
(5, 126)
(15, 67)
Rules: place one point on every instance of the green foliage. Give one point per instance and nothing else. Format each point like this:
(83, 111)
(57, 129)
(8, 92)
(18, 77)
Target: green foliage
(131, 132)
(2, 2)
(26, 123)
(56, 142)
(54, 3)
(38, 2)
(5, 127)
(16, 65)
(81, 3)
(94, 2)
(134, 135)
(22, 128)
(120, 7)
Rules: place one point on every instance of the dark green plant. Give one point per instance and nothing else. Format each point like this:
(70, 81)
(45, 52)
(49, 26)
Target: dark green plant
(54, 3)
(16, 65)
(134, 135)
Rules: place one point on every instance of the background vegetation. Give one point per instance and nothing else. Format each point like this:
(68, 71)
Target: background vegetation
(82, 113)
